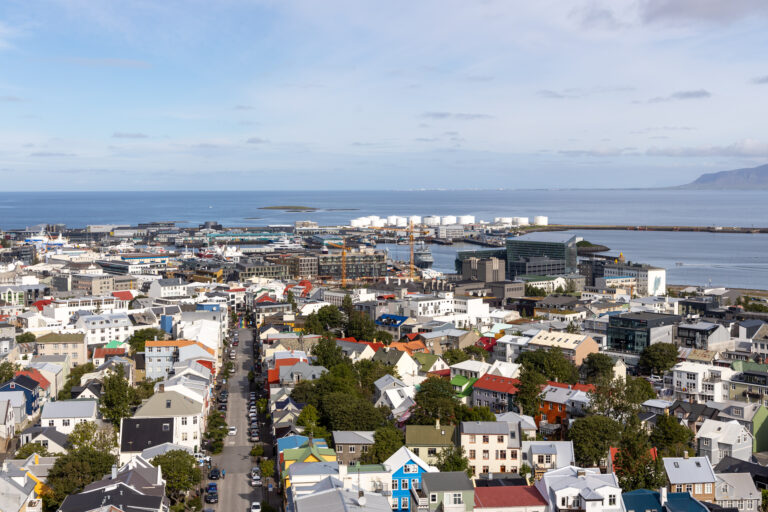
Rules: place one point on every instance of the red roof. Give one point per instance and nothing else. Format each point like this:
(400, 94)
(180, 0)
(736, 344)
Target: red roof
(265, 298)
(577, 387)
(103, 353)
(34, 374)
(486, 343)
(235, 290)
(124, 295)
(41, 303)
(497, 383)
(412, 335)
(613, 451)
(375, 345)
(512, 496)
(441, 373)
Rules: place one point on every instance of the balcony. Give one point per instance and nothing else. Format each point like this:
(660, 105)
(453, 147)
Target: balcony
(419, 500)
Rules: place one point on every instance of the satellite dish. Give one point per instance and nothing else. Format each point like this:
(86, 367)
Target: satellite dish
(361, 501)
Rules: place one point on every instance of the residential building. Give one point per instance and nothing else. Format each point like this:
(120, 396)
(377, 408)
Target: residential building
(700, 383)
(633, 332)
(63, 415)
(161, 355)
(544, 456)
(643, 500)
(489, 447)
(561, 402)
(451, 491)
(751, 415)
(186, 414)
(103, 328)
(580, 489)
(509, 499)
(575, 347)
(31, 390)
(138, 434)
(495, 392)
(407, 470)
(351, 445)
(692, 414)
(717, 439)
(691, 474)
(704, 336)
(167, 288)
(737, 490)
(73, 345)
(406, 367)
(429, 441)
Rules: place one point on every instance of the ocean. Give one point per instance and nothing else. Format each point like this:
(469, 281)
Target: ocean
(735, 260)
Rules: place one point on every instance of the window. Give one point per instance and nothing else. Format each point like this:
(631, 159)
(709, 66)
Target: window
(415, 484)
(457, 498)
(697, 489)
(513, 454)
(485, 469)
(499, 439)
(707, 488)
(184, 420)
(689, 488)
(563, 501)
(394, 503)
(184, 436)
(50, 423)
(486, 439)
(502, 469)
(404, 484)
(166, 427)
(64, 423)
(678, 488)
(351, 449)
(486, 455)
(705, 441)
(611, 499)
(472, 438)
(395, 484)
(339, 449)
(404, 503)
(365, 448)
(541, 459)
(416, 451)
(431, 452)
(433, 497)
(549, 459)
(410, 468)
(472, 454)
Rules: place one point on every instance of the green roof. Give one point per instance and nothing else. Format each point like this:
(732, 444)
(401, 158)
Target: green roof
(459, 380)
(366, 468)
(115, 344)
(429, 435)
(464, 383)
(55, 337)
(749, 366)
(533, 277)
(425, 360)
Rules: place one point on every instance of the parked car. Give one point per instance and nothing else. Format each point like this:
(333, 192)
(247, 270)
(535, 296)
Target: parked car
(212, 497)
(222, 407)
(212, 487)
(255, 507)
(232, 431)
(214, 474)
(255, 470)
(255, 480)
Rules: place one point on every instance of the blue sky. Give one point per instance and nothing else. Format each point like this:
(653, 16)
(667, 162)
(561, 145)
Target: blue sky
(359, 94)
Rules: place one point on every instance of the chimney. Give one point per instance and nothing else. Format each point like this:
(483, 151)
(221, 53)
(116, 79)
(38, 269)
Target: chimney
(685, 454)
(663, 496)
(437, 424)
(581, 473)
(114, 471)
(162, 387)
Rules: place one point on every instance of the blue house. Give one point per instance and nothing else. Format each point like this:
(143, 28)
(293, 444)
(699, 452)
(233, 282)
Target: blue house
(407, 469)
(30, 388)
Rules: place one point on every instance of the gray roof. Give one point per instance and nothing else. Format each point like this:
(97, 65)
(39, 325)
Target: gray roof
(70, 409)
(733, 486)
(341, 500)
(314, 468)
(305, 370)
(17, 398)
(49, 433)
(448, 481)
(388, 380)
(563, 450)
(352, 437)
(526, 422)
(694, 470)
(160, 449)
(485, 427)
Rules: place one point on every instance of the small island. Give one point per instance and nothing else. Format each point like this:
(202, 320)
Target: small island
(585, 247)
(290, 208)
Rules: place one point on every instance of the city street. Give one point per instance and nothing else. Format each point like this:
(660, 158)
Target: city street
(235, 491)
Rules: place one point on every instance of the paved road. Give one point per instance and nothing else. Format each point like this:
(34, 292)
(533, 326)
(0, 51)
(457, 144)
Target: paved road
(235, 491)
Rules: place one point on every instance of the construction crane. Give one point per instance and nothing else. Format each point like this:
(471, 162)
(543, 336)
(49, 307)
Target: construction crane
(410, 230)
(343, 247)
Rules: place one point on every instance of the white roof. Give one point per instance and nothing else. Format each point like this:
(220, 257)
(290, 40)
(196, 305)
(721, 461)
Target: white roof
(721, 431)
(471, 365)
(694, 470)
(558, 339)
(402, 456)
(85, 408)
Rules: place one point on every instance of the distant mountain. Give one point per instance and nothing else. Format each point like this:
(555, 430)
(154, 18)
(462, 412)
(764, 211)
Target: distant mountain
(752, 178)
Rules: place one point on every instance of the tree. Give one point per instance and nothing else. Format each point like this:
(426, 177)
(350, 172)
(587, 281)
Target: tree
(330, 317)
(115, 398)
(310, 420)
(360, 326)
(143, 390)
(383, 337)
(327, 353)
(592, 436)
(477, 353)
(7, 371)
(620, 399)
(73, 471)
(597, 366)
(217, 431)
(74, 379)
(658, 358)
(550, 363)
(291, 299)
(529, 394)
(346, 305)
(366, 372)
(140, 337)
(534, 291)
(477, 413)
(670, 437)
(26, 337)
(634, 464)
(453, 459)
(30, 448)
(386, 441)
(525, 470)
(344, 412)
(572, 328)
(267, 468)
(90, 435)
(434, 400)
(180, 471)
(454, 355)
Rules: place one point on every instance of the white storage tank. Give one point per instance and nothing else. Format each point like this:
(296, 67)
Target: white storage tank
(431, 220)
(415, 219)
(448, 220)
(360, 222)
(378, 222)
(392, 220)
(540, 220)
(502, 220)
(466, 219)
(520, 221)
(402, 222)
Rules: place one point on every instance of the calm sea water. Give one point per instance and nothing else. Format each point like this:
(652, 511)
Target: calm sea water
(724, 259)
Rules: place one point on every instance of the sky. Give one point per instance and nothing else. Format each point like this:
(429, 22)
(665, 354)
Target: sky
(363, 94)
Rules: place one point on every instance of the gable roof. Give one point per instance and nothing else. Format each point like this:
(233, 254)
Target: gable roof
(693, 470)
(34, 374)
(24, 382)
(56, 337)
(70, 409)
(138, 434)
(403, 456)
(353, 437)
(168, 403)
(513, 496)
(497, 383)
(447, 481)
(429, 435)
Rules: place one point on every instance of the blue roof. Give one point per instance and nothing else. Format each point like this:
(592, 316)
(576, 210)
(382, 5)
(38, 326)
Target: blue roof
(643, 500)
(290, 442)
(684, 502)
(391, 320)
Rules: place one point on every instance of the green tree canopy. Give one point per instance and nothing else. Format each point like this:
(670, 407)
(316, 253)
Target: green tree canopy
(73, 471)
(361, 327)
(327, 352)
(90, 435)
(7, 371)
(597, 366)
(180, 471)
(434, 400)
(344, 412)
(551, 363)
(454, 355)
(670, 437)
(529, 391)
(290, 298)
(479, 353)
(346, 305)
(116, 397)
(534, 291)
(591, 437)
(634, 465)
(477, 413)
(453, 459)
(267, 468)
(26, 337)
(658, 358)
(30, 448)
(383, 337)
(387, 440)
(620, 399)
(74, 379)
(140, 337)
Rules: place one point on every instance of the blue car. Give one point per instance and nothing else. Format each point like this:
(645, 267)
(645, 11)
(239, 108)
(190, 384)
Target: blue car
(212, 488)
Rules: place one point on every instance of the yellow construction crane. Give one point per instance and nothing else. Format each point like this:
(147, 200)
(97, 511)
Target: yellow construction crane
(410, 230)
(343, 247)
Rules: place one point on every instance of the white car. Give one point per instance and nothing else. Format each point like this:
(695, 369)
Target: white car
(232, 431)
(255, 506)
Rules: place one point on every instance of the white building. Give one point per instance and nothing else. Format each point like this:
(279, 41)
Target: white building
(63, 415)
(582, 489)
(103, 328)
(650, 280)
(699, 383)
